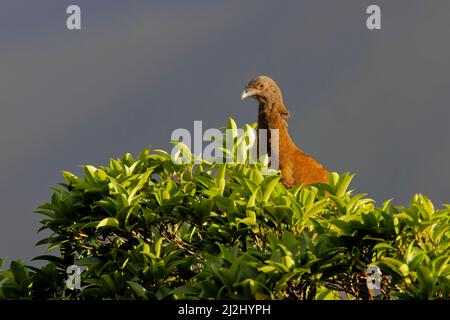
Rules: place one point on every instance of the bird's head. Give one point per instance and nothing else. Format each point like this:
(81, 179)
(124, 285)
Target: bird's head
(267, 92)
(263, 89)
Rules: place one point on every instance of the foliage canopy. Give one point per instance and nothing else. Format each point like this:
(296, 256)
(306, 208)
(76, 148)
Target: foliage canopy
(148, 228)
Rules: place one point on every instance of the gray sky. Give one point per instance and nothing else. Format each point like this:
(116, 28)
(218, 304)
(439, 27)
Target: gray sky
(375, 103)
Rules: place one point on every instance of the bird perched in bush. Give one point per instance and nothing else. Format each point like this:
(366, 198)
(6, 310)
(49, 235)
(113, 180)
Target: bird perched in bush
(296, 166)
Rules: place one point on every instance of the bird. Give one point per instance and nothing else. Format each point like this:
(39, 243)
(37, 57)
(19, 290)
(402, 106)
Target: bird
(297, 167)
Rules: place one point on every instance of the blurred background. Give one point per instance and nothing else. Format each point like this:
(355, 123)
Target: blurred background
(375, 103)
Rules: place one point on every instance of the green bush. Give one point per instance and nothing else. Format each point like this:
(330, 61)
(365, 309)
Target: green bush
(147, 228)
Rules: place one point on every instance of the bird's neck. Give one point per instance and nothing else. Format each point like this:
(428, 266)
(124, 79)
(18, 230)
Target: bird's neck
(270, 118)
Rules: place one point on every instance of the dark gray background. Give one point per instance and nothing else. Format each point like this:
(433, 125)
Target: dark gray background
(371, 102)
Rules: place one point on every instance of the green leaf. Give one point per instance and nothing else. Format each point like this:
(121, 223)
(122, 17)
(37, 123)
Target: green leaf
(250, 220)
(220, 178)
(268, 186)
(267, 269)
(381, 246)
(18, 270)
(138, 289)
(226, 276)
(426, 280)
(108, 222)
(231, 125)
(158, 245)
(108, 283)
(182, 154)
(343, 183)
(252, 200)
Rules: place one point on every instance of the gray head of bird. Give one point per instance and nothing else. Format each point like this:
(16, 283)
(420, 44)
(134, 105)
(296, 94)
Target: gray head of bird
(266, 91)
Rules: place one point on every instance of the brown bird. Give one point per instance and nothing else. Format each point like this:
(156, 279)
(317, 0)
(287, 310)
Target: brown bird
(296, 166)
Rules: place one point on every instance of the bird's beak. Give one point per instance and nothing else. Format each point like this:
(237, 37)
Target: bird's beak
(247, 93)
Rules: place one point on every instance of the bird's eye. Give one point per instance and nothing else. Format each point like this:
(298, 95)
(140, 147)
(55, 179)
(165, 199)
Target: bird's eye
(261, 86)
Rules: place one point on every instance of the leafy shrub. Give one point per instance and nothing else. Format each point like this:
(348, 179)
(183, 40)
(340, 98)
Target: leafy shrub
(148, 228)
